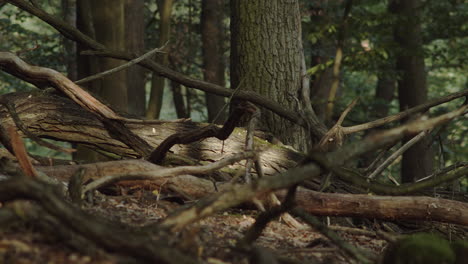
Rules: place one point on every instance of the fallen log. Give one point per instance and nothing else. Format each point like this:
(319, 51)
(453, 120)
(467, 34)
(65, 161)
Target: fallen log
(54, 117)
(316, 203)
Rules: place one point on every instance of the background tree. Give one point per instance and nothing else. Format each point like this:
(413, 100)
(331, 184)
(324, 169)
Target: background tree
(135, 42)
(213, 55)
(412, 88)
(158, 82)
(103, 21)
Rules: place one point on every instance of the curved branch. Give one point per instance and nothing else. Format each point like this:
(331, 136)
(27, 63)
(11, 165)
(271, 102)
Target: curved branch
(167, 172)
(317, 128)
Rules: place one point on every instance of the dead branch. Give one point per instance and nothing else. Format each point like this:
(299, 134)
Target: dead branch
(317, 128)
(19, 124)
(399, 116)
(166, 172)
(209, 131)
(350, 250)
(384, 207)
(396, 154)
(58, 118)
(109, 235)
(121, 67)
(238, 194)
(21, 154)
(44, 77)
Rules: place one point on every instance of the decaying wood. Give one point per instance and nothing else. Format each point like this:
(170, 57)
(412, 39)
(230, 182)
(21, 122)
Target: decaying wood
(44, 77)
(21, 153)
(221, 133)
(58, 118)
(109, 235)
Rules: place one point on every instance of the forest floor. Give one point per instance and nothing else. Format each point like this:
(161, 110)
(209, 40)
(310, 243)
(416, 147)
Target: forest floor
(211, 239)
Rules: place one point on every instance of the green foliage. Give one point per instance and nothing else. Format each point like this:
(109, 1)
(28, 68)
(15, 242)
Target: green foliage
(420, 249)
(35, 41)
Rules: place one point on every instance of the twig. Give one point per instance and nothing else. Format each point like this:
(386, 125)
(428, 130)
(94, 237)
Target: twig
(100, 50)
(404, 114)
(20, 125)
(230, 98)
(334, 137)
(209, 131)
(21, 153)
(167, 172)
(397, 153)
(351, 251)
(121, 67)
(238, 194)
(264, 218)
(109, 235)
(249, 142)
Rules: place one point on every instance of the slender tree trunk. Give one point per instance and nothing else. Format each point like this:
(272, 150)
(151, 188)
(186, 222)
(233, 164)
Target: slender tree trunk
(213, 59)
(412, 89)
(69, 15)
(384, 95)
(266, 57)
(179, 103)
(158, 82)
(87, 65)
(135, 42)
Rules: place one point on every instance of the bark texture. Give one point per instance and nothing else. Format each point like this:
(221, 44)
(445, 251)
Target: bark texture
(61, 119)
(266, 57)
(412, 88)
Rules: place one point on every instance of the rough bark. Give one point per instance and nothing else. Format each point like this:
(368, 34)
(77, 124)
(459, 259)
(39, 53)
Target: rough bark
(135, 42)
(61, 119)
(316, 128)
(213, 59)
(412, 88)
(266, 57)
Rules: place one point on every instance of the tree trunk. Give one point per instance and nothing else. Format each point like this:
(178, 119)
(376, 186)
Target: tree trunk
(108, 18)
(135, 42)
(179, 103)
(69, 16)
(158, 82)
(213, 59)
(111, 88)
(266, 57)
(384, 95)
(412, 89)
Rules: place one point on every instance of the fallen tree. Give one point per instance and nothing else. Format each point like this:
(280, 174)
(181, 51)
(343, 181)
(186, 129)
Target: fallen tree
(82, 119)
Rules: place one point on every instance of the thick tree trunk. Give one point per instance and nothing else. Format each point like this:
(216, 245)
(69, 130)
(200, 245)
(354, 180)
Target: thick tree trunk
(412, 88)
(158, 82)
(103, 21)
(266, 57)
(109, 25)
(60, 119)
(135, 42)
(213, 59)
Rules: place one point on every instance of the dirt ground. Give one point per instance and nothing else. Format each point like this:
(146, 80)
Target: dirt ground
(212, 239)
